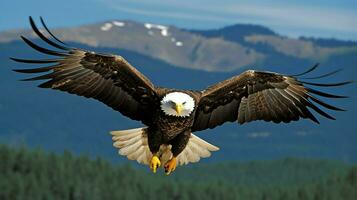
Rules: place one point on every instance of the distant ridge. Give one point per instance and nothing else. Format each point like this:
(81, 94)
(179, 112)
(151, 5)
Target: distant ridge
(331, 42)
(237, 32)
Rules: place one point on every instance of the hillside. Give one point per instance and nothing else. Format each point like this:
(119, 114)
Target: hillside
(169, 44)
(36, 175)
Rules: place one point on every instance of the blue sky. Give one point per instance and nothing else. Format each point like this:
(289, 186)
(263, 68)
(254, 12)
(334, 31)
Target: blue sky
(318, 18)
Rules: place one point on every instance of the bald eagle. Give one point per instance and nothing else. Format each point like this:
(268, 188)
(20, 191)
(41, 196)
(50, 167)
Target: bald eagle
(171, 115)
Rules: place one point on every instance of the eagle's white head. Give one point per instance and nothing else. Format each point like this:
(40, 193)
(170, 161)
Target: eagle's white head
(177, 104)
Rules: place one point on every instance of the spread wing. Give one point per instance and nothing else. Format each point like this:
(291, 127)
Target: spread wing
(107, 78)
(267, 96)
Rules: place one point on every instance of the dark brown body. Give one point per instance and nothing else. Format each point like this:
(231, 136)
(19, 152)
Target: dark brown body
(172, 130)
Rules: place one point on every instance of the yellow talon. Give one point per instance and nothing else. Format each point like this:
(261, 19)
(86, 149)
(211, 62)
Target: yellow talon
(155, 163)
(170, 166)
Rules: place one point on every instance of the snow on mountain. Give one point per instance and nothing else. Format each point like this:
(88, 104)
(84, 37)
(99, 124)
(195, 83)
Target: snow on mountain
(106, 27)
(109, 25)
(163, 29)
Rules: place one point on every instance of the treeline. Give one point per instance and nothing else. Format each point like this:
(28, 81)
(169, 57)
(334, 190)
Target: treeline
(33, 174)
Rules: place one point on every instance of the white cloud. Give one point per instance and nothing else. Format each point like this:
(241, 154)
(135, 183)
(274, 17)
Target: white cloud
(170, 14)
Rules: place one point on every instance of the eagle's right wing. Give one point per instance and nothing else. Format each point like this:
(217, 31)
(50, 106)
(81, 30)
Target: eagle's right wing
(255, 95)
(107, 78)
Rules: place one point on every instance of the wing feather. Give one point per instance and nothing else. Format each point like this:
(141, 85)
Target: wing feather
(268, 96)
(107, 78)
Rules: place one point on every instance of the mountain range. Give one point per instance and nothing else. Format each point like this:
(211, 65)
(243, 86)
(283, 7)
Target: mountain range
(226, 49)
(188, 59)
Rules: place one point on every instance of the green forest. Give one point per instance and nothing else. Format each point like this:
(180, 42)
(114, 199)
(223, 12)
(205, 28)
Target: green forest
(35, 174)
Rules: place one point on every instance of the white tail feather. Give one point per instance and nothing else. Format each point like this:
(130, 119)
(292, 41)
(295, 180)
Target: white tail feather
(196, 149)
(133, 144)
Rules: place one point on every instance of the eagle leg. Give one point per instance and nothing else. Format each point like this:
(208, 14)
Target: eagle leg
(170, 166)
(155, 163)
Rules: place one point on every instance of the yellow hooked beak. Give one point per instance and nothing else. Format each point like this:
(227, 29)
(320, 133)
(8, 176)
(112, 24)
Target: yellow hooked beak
(178, 108)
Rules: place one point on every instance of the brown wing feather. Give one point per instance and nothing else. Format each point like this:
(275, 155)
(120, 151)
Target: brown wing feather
(107, 78)
(255, 95)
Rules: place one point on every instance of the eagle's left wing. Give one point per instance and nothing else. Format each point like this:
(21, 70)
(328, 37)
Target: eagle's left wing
(255, 95)
(106, 78)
